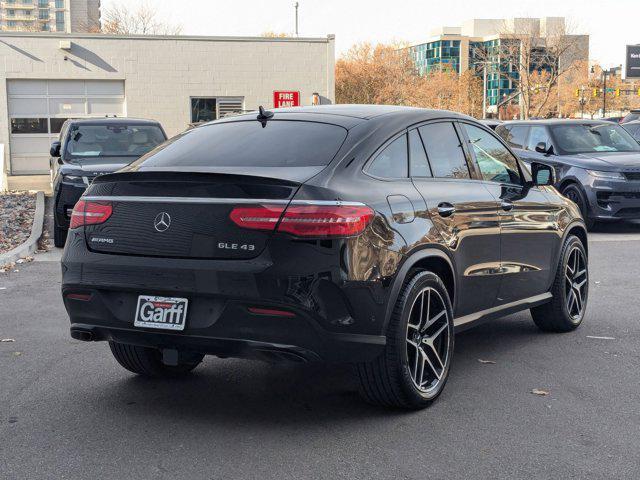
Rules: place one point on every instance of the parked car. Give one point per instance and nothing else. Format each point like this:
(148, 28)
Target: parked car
(361, 234)
(633, 128)
(613, 119)
(596, 163)
(492, 123)
(632, 116)
(87, 148)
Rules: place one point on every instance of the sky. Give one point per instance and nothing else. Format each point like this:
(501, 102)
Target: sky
(612, 24)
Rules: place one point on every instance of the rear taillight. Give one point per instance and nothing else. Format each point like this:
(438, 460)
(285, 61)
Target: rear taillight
(90, 213)
(257, 217)
(319, 221)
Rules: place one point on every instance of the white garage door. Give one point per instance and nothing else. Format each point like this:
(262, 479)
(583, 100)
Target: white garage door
(38, 108)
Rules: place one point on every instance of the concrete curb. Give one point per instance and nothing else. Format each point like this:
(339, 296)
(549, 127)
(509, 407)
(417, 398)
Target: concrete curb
(31, 244)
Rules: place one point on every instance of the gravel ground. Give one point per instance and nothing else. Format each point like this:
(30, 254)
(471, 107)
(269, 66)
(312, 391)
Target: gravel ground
(16, 218)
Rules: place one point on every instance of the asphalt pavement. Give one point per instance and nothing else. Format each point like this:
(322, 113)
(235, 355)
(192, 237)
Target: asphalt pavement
(68, 410)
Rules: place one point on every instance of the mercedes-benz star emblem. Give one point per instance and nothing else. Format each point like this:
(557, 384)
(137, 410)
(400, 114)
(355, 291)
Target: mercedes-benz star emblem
(162, 221)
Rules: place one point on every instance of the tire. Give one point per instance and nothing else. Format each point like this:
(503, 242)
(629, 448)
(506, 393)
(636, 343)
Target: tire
(391, 380)
(573, 193)
(59, 236)
(561, 314)
(147, 361)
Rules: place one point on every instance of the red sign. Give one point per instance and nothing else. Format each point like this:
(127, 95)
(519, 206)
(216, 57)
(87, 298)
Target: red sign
(286, 99)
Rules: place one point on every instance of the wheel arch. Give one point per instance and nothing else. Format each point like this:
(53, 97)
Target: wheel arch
(579, 230)
(432, 259)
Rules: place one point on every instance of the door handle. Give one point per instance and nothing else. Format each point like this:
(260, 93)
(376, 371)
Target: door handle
(446, 209)
(506, 205)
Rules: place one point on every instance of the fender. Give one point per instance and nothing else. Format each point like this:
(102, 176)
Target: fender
(575, 223)
(401, 276)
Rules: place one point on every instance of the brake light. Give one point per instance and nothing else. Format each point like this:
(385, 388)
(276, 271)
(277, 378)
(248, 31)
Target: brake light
(90, 213)
(319, 221)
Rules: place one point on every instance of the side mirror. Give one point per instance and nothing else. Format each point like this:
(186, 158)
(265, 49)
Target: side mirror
(55, 149)
(542, 174)
(541, 147)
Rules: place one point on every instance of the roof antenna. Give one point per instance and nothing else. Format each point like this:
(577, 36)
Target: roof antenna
(264, 115)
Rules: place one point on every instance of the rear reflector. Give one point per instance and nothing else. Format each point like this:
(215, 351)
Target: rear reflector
(270, 311)
(319, 221)
(90, 213)
(84, 297)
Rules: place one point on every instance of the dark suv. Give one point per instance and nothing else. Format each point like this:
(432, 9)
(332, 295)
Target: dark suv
(597, 163)
(362, 234)
(91, 147)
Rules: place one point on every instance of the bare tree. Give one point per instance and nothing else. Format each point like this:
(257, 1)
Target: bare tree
(533, 61)
(386, 74)
(120, 20)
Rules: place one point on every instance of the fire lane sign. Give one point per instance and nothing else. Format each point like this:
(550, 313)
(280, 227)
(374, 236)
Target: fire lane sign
(286, 99)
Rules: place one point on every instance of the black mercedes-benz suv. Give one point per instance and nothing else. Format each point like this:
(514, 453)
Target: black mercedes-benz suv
(91, 147)
(360, 234)
(597, 163)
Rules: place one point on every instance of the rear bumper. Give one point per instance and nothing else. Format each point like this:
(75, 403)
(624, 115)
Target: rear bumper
(331, 319)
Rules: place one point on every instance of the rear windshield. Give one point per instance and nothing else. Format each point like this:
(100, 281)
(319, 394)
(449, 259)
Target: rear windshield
(112, 140)
(590, 138)
(279, 143)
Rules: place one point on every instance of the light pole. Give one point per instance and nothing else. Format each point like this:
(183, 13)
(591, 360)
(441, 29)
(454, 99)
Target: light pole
(296, 5)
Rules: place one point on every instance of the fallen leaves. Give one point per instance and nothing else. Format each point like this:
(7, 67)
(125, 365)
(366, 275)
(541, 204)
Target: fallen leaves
(541, 392)
(16, 218)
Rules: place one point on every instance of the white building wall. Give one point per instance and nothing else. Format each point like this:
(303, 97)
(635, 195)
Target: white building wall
(161, 74)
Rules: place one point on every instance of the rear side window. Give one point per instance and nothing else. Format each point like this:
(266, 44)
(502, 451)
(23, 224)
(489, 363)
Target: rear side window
(279, 143)
(515, 135)
(418, 164)
(444, 150)
(392, 162)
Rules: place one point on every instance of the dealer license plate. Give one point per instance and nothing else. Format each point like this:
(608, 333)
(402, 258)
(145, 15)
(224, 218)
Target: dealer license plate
(168, 313)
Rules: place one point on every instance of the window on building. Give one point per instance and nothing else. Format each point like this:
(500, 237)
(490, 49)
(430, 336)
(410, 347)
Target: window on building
(43, 3)
(29, 125)
(495, 161)
(56, 124)
(444, 150)
(392, 162)
(11, 23)
(44, 27)
(418, 164)
(59, 3)
(203, 110)
(43, 14)
(11, 13)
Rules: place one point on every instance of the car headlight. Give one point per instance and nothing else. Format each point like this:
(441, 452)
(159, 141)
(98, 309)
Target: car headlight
(72, 179)
(609, 175)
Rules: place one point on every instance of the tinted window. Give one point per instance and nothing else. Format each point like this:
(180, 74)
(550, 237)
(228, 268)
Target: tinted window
(495, 161)
(247, 143)
(538, 134)
(56, 124)
(392, 161)
(418, 164)
(29, 125)
(444, 150)
(115, 140)
(514, 135)
(590, 138)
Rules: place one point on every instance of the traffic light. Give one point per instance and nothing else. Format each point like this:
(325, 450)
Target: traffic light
(577, 92)
(595, 92)
(617, 92)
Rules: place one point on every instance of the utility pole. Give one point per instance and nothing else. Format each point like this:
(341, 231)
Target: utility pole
(296, 5)
(604, 95)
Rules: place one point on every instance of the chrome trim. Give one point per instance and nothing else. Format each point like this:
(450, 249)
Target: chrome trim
(205, 200)
(500, 310)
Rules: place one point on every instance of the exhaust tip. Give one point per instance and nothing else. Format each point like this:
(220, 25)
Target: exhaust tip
(82, 335)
